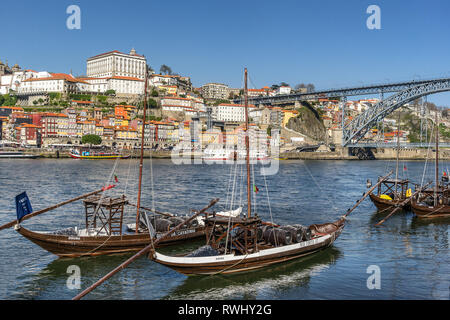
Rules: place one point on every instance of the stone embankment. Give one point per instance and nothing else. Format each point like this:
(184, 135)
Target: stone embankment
(338, 154)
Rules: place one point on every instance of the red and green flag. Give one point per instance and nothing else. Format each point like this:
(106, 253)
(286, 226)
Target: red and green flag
(255, 188)
(116, 179)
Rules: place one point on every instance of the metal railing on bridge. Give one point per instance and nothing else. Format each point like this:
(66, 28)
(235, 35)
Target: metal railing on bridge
(341, 92)
(393, 145)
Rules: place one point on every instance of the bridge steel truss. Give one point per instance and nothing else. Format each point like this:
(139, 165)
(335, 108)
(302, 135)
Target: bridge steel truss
(358, 127)
(342, 92)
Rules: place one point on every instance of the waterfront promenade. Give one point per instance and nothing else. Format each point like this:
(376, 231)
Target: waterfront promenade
(339, 154)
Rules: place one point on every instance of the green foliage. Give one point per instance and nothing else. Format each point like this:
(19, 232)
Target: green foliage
(8, 100)
(85, 97)
(110, 92)
(165, 69)
(54, 95)
(153, 118)
(444, 131)
(91, 139)
(154, 93)
(269, 131)
(102, 99)
(217, 102)
(152, 103)
(42, 109)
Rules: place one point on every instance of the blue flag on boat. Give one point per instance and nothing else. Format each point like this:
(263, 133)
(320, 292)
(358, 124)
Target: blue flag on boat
(23, 206)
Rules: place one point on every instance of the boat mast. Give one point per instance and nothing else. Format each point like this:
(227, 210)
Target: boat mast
(436, 166)
(247, 146)
(398, 152)
(141, 160)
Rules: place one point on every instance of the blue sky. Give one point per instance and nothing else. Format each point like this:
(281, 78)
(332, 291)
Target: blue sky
(322, 42)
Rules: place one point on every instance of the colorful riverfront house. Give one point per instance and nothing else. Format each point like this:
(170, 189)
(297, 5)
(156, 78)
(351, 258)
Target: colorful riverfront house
(171, 90)
(54, 124)
(29, 134)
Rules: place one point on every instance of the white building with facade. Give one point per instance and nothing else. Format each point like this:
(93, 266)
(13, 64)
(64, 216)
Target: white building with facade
(231, 112)
(116, 63)
(283, 90)
(215, 91)
(53, 82)
(13, 81)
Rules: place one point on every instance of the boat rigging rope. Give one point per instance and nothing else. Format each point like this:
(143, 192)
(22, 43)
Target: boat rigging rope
(108, 182)
(228, 189)
(252, 190)
(270, 209)
(128, 175)
(231, 207)
(241, 186)
(426, 159)
(318, 186)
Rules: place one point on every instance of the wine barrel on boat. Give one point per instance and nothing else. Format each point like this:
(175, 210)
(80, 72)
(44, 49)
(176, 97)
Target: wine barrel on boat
(306, 232)
(204, 251)
(277, 236)
(239, 233)
(177, 220)
(162, 224)
(296, 232)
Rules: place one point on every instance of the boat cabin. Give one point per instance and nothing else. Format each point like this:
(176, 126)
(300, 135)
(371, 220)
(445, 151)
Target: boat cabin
(427, 196)
(394, 189)
(242, 236)
(105, 214)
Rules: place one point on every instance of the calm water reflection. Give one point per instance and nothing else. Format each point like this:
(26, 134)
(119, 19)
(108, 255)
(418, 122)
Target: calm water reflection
(413, 255)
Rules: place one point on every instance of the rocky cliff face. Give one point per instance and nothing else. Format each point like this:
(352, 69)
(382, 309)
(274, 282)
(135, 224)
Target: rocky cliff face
(308, 123)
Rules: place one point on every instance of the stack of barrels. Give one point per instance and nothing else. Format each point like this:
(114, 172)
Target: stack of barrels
(161, 224)
(284, 235)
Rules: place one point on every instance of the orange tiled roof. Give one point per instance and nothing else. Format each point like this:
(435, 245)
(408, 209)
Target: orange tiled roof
(126, 78)
(236, 105)
(52, 114)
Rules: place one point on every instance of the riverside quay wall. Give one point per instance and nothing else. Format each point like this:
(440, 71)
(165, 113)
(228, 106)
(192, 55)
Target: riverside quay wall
(339, 154)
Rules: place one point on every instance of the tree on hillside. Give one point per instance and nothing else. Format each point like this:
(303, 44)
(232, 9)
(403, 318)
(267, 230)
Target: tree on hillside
(274, 86)
(152, 104)
(91, 139)
(165, 69)
(309, 87)
(8, 100)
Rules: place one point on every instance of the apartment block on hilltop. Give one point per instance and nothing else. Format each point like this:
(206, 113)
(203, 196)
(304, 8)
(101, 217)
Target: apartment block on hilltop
(214, 91)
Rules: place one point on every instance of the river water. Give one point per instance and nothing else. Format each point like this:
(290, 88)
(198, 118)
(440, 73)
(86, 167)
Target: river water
(412, 256)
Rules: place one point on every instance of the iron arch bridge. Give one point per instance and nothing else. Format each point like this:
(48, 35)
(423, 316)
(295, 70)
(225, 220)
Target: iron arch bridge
(358, 127)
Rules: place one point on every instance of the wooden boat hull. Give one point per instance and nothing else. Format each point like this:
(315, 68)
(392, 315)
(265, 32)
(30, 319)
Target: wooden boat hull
(427, 212)
(226, 264)
(70, 246)
(387, 205)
